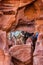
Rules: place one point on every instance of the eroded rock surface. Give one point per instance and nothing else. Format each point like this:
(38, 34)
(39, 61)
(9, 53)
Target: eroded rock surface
(21, 32)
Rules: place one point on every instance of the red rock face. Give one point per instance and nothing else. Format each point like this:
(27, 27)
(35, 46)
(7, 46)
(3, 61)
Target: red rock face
(5, 58)
(38, 53)
(6, 21)
(2, 39)
(25, 16)
(22, 53)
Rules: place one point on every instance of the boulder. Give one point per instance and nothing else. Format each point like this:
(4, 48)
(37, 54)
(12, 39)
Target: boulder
(21, 54)
(38, 53)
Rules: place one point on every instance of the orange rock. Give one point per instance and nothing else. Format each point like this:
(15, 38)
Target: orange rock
(22, 54)
(6, 21)
(39, 25)
(2, 39)
(38, 53)
(4, 58)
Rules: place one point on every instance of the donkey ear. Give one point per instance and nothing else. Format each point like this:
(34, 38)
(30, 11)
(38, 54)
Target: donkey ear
(2, 39)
